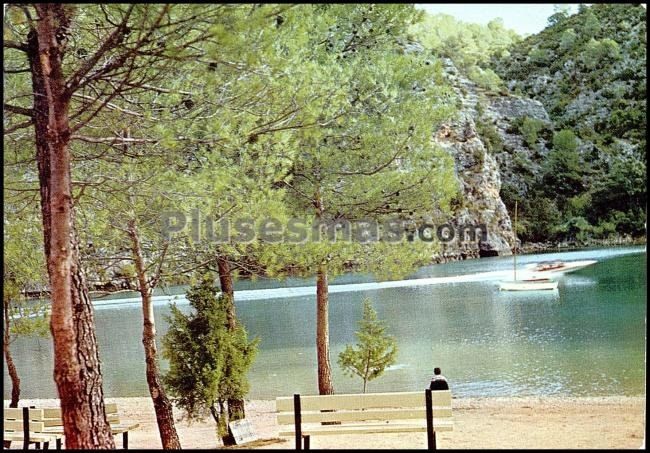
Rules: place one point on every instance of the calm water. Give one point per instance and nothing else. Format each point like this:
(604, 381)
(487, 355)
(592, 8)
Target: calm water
(586, 339)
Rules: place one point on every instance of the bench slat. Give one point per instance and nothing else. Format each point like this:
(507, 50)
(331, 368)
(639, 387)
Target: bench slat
(59, 422)
(13, 413)
(52, 412)
(38, 437)
(55, 412)
(111, 408)
(52, 422)
(287, 418)
(115, 429)
(17, 426)
(366, 429)
(364, 401)
(119, 429)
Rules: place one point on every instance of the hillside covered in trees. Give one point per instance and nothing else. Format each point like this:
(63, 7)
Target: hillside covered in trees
(589, 71)
(578, 169)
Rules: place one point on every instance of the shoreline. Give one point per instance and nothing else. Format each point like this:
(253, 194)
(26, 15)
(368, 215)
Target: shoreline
(479, 422)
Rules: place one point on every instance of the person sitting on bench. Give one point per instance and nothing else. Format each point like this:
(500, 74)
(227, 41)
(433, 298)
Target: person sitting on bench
(439, 382)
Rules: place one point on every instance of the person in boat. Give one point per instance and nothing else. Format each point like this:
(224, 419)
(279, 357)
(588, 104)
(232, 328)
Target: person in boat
(550, 265)
(439, 382)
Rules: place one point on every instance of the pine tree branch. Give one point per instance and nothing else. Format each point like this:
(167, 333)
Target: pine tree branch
(113, 140)
(18, 110)
(109, 43)
(18, 126)
(109, 105)
(15, 45)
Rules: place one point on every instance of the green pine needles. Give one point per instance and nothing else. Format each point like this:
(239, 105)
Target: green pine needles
(208, 363)
(374, 352)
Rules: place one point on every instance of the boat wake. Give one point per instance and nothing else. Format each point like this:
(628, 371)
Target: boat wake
(302, 291)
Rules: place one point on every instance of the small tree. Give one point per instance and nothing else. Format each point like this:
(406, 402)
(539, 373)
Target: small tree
(568, 39)
(564, 168)
(208, 362)
(560, 12)
(591, 25)
(375, 350)
(530, 127)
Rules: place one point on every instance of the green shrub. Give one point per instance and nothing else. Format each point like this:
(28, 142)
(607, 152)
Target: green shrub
(208, 362)
(539, 56)
(530, 127)
(490, 136)
(485, 78)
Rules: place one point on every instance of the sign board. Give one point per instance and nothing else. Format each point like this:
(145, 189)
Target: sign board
(242, 431)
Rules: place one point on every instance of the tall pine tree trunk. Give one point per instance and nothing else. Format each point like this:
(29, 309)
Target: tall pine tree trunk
(162, 405)
(236, 410)
(325, 386)
(11, 367)
(77, 368)
(228, 290)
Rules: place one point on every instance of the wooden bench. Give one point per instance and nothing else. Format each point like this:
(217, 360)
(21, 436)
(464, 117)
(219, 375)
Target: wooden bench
(365, 413)
(28, 425)
(54, 422)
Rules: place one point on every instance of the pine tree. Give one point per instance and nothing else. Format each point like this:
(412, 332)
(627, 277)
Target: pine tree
(208, 362)
(369, 156)
(375, 350)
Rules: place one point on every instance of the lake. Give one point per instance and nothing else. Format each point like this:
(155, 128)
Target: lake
(588, 338)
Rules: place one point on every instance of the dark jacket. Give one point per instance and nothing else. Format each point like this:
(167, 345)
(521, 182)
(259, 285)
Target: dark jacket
(439, 383)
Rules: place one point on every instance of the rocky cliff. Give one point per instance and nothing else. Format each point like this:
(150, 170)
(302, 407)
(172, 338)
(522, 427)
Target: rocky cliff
(484, 143)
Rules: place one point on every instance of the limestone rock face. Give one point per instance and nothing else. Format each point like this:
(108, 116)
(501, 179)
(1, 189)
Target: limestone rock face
(478, 177)
(479, 171)
(503, 112)
(511, 107)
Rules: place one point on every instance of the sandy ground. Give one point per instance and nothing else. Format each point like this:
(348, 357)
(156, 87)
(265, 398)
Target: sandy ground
(598, 422)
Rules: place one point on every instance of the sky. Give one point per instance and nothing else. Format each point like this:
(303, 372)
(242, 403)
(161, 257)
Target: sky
(525, 19)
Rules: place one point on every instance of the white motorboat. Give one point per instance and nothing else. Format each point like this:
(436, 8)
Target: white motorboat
(547, 269)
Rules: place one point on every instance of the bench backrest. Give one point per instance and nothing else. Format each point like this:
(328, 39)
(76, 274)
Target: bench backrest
(51, 416)
(363, 407)
(13, 420)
